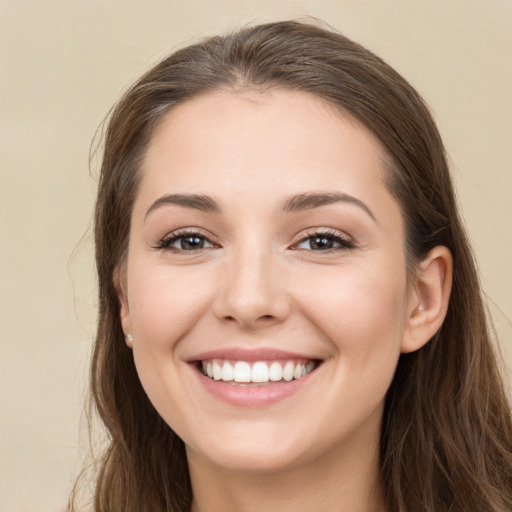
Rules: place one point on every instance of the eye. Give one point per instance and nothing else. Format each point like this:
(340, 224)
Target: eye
(185, 241)
(324, 241)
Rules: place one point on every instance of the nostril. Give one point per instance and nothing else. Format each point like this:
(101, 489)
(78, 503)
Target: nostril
(263, 317)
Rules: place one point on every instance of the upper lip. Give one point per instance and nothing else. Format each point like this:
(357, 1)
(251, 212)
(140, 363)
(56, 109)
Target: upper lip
(249, 355)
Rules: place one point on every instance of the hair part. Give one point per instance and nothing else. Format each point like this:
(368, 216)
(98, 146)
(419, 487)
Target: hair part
(446, 439)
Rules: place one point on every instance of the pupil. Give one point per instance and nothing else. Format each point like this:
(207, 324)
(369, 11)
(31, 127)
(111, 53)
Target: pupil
(321, 242)
(191, 242)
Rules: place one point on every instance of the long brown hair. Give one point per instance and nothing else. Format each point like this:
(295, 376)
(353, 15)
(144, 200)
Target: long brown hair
(446, 440)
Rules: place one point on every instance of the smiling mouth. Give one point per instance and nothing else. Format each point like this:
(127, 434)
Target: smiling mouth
(258, 372)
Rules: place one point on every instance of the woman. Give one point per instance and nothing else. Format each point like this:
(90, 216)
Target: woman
(290, 316)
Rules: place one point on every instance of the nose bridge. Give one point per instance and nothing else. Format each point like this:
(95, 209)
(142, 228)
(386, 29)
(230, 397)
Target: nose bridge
(253, 291)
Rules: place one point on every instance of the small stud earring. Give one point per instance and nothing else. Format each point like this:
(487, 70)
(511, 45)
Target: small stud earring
(129, 337)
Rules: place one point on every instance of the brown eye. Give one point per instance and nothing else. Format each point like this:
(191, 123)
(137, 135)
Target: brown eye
(185, 242)
(321, 243)
(191, 243)
(324, 242)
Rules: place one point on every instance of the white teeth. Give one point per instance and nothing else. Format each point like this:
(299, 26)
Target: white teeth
(288, 371)
(227, 372)
(276, 372)
(217, 371)
(242, 372)
(259, 372)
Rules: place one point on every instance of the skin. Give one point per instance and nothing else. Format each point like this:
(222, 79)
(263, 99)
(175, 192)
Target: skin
(258, 282)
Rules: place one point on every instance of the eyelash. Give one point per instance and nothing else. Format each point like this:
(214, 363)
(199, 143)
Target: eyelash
(327, 234)
(167, 241)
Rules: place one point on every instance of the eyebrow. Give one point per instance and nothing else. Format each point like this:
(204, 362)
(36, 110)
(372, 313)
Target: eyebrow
(309, 200)
(295, 203)
(196, 201)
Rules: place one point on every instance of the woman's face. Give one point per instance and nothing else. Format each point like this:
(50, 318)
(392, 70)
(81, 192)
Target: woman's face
(265, 248)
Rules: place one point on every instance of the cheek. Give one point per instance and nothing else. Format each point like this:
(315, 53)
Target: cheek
(360, 310)
(166, 303)
(165, 306)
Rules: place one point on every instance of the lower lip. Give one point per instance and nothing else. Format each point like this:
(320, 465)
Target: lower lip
(252, 395)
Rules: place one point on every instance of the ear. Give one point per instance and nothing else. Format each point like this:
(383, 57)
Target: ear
(124, 309)
(428, 300)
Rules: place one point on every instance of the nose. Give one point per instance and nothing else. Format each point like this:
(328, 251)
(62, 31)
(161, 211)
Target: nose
(252, 291)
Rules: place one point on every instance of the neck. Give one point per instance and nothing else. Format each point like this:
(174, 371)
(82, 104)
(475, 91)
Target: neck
(345, 482)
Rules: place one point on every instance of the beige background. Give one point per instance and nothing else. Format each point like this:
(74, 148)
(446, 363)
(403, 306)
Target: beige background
(63, 64)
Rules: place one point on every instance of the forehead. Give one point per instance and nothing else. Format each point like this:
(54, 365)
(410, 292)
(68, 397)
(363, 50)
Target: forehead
(271, 142)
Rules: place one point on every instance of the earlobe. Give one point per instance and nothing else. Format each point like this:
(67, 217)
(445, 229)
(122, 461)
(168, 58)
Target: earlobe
(124, 309)
(429, 299)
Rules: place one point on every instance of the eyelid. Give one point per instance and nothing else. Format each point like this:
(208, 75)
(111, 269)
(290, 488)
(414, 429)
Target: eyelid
(346, 241)
(165, 242)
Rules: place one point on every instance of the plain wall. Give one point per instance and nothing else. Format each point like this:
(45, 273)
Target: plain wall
(63, 64)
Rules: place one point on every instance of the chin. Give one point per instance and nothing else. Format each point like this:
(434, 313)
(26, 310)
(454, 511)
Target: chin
(249, 457)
